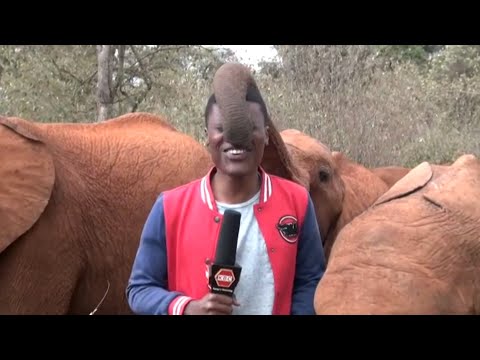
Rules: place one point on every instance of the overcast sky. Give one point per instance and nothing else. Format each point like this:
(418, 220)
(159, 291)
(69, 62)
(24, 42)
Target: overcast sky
(253, 54)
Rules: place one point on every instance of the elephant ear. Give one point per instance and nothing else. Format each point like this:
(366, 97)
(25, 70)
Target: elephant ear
(27, 176)
(415, 179)
(278, 161)
(457, 189)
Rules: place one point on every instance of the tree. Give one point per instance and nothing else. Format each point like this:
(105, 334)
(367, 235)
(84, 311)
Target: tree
(104, 83)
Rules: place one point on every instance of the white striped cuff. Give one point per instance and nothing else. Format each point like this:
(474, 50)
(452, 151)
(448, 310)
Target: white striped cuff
(178, 305)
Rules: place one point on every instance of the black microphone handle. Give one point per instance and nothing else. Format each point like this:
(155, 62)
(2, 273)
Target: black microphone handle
(224, 272)
(226, 251)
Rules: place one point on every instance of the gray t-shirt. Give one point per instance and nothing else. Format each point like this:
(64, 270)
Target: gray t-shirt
(255, 290)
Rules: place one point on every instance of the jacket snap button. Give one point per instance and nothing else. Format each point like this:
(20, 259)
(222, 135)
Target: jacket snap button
(272, 249)
(217, 219)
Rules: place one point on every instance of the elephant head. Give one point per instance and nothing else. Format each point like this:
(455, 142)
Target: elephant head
(415, 251)
(340, 188)
(317, 169)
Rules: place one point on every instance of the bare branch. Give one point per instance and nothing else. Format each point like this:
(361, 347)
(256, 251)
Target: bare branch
(63, 71)
(156, 51)
(128, 98)
(146, 78)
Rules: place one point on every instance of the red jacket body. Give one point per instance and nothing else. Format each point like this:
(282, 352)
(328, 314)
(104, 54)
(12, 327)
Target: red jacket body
(181, 233)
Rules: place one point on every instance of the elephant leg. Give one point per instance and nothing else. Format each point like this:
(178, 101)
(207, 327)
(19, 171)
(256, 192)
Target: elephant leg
(37, 278)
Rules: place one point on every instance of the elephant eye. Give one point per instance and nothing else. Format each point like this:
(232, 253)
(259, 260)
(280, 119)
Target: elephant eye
(323, 175)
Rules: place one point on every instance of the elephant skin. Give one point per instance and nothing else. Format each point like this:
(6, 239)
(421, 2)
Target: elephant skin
(415, 251)
(390, 174)
(340, 188)
(73, 201)
(362, 189)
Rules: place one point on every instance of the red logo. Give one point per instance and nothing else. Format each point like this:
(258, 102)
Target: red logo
(224, 278)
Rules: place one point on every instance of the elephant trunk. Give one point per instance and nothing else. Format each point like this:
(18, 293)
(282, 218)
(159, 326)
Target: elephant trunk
(230, 86)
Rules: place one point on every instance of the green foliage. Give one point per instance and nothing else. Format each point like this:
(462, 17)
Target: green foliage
(327, 68)
(51, 83)
(456, 61)
(398, 115)
(381, 105)
(181, 93)
(58, 83)
(418, 54)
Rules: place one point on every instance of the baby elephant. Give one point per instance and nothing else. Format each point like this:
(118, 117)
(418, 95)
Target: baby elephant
(416, 251)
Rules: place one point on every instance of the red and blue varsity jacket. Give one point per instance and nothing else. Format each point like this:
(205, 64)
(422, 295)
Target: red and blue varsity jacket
(180, 235)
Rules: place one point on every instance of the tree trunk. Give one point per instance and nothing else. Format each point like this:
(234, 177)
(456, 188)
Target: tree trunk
(104, 82)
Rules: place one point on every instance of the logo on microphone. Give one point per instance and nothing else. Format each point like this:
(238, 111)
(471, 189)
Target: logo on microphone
(288, 228)
(224, 278)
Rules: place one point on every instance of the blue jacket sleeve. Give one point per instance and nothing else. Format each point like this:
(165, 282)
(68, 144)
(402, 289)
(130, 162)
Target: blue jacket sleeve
(146, 291)
(310, 264)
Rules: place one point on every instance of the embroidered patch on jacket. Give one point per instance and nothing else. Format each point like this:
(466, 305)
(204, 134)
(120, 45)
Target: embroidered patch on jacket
(288, 228)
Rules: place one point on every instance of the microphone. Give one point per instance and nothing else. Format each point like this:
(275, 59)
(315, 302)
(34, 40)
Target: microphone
(224, 272)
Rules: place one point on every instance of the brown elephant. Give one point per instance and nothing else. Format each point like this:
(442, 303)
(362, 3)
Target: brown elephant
(73, 199)
(390, 174)
(362, 189)
(414, 252)
(340, 188)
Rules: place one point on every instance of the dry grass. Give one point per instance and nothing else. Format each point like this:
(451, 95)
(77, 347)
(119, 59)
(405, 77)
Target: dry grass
(376, 112)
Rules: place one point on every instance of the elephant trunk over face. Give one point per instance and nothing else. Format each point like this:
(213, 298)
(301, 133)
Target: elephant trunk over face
(230, 86)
